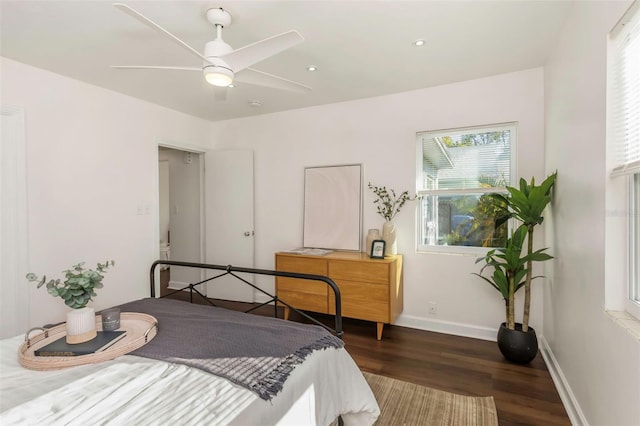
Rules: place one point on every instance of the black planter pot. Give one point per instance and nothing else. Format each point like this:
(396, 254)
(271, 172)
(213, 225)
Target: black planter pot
(516, 345)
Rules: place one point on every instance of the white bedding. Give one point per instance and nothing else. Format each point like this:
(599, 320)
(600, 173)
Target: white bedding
(140, 391)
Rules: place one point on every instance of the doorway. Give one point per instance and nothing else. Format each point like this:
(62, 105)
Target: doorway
(180, 213)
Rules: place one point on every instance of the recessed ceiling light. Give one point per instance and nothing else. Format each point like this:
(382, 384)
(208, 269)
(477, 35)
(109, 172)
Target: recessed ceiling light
(255, 104)
(312, 68)
(419, 42)
(231, 86)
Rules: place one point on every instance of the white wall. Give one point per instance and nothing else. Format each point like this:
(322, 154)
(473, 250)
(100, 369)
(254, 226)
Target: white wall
(380, 133)
(92, 161)
(600, 360)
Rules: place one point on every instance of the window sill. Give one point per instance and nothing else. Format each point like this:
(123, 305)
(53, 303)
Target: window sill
(626, 321)
(459, 250)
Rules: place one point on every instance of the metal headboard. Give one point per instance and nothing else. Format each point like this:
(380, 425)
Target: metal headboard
(232, 270)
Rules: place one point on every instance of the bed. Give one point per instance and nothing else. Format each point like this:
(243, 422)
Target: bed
(312, 385)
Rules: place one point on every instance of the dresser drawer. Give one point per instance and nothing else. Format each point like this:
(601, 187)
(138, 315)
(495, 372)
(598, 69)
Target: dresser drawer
(364, 292)
(303, 286)
(362, 301)
(371, 311)
(303, 265)
(305, 301)
(370, 272)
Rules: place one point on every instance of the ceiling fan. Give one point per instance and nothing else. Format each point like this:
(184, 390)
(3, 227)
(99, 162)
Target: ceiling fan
(222, 65)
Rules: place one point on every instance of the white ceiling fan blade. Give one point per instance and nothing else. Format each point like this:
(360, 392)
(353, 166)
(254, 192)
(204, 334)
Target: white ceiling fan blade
(153, 67)
(148, 22)
(260, 78)
(253, 53)
(220, 93)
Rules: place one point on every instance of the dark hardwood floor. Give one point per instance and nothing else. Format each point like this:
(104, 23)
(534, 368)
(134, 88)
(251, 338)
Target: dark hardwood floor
(524, 395)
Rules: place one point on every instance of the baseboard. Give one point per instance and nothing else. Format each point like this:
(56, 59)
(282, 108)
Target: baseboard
(439, 326)
(177, 285)
(564, 390)
(259, 297)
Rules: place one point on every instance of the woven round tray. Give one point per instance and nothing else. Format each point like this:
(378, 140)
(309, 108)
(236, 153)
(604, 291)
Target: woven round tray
(141, 328)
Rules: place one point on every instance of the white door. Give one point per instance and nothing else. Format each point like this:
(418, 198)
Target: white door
(228, 181)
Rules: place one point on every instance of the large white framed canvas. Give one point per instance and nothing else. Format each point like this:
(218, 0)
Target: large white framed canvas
(333, 207)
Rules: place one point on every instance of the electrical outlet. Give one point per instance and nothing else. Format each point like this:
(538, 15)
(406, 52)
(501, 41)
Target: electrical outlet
(433, 308)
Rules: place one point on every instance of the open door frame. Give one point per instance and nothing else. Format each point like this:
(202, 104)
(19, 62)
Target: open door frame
(156, 228)
(14, 256)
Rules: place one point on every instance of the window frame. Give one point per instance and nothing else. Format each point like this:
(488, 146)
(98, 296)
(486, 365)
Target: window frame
(454, 249)
(623, 185)
(632, 302)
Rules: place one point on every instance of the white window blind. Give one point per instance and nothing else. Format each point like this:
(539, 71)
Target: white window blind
(625, 90)
(468, 159)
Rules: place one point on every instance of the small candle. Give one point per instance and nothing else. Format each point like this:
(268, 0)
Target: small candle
(111, 319)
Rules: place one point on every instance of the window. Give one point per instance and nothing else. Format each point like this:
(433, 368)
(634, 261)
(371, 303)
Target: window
(457, 170)
(634, 289)
(624, 135)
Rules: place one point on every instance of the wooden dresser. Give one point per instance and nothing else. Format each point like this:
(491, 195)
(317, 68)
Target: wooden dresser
(371, 289)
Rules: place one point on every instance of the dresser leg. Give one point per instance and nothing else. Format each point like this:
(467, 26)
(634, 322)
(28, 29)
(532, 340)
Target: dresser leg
(380, 327)
(286, 312)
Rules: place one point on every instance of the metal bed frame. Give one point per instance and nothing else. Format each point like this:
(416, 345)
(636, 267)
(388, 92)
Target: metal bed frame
(233, 270)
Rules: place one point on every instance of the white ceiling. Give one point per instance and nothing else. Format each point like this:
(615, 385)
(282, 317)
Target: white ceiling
(362, 48)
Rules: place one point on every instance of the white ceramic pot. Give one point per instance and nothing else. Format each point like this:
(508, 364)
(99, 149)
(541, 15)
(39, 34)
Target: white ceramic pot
(81, 325)
(389, 237)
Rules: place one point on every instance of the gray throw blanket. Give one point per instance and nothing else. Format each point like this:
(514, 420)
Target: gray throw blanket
(253, 351)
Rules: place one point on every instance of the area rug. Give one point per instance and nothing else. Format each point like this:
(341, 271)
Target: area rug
(403, 403)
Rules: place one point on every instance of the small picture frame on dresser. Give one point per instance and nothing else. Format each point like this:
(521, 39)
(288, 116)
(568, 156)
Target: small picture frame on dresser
(377, 249)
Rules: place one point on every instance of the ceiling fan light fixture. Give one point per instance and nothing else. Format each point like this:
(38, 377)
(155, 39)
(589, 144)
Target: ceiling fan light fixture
(218, 76)
(221, 61)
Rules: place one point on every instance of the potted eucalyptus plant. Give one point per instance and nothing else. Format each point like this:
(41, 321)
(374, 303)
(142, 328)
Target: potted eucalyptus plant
(513, 269)
(77, 290)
